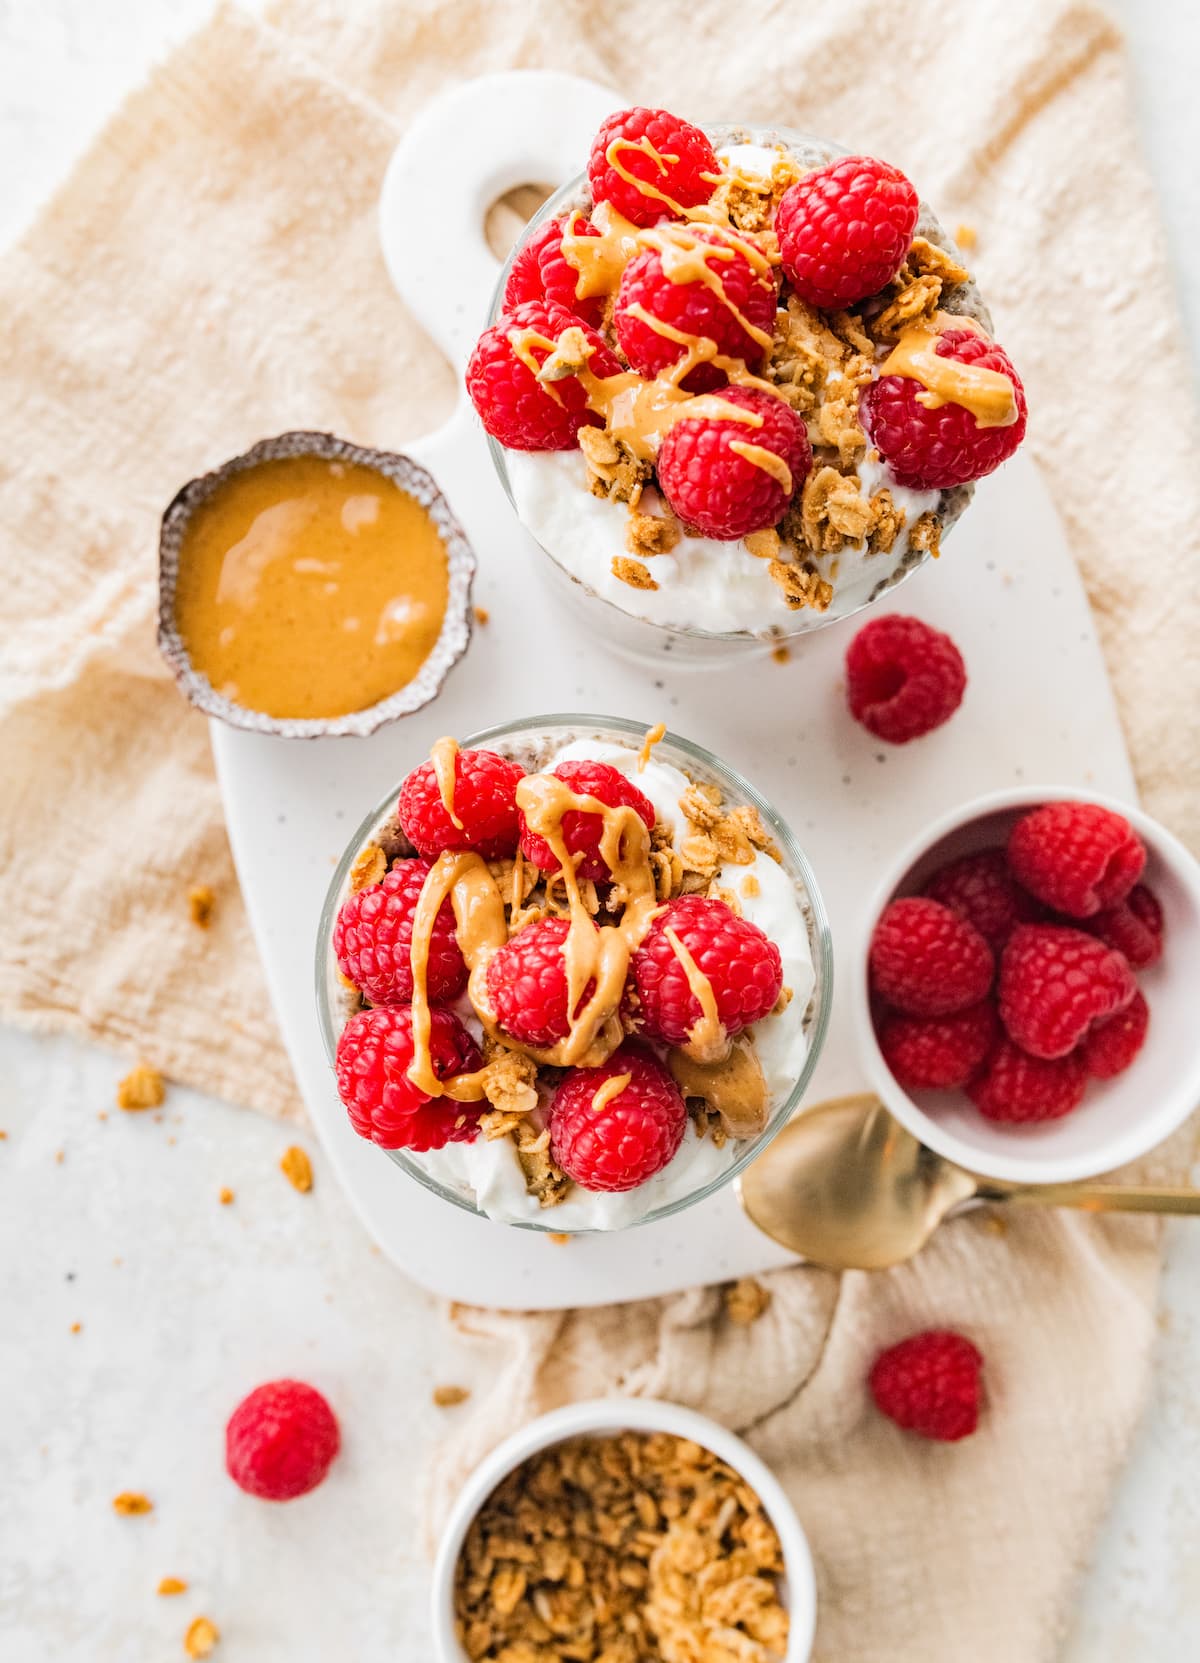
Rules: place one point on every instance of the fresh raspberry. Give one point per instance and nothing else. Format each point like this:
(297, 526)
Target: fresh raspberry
(373, 1058)
(485, 800)
(281, 1440)
(742, 965)
(694, 308)
(926, 960)
(928, 449)
(672, 163)
(1017, 1088)
(541, 271)
(1054, 983)
(903, 679)
(1111, 1046)
(939, 1053)
(981, 889)
(718, 491)
(1134, 927)
(844, 230)
(1078, 858)
(630, 1137)
(527, 983)
(516, 408)
(930, 1384)
(582, 831)
(372, 939)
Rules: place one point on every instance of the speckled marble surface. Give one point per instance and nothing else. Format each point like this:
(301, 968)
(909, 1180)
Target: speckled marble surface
(184, 1303)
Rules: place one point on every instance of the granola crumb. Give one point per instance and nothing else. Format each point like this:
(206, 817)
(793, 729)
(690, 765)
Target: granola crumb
(446, 1397)
(171, 1585)
(201, 902)
(142, 1088)
(76, 1328)
(927, 534)
(651, 534)
(370, 867)
(801, 587)
(640, 1548)
(613, 470)
(632, 572)
(557, 1239)
(786, 995)
(746, 1300)
(995, 1225)
(297, 1168)
(750, 886)
(60, 1156)
(482, 616)
(225, 1197)
(763, 545)
(202, 1635)
(781, 654)
(966, 236)
(132, 1502)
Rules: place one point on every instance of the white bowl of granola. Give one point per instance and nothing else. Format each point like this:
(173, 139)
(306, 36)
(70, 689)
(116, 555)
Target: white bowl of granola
(639, 1528)
(494, 1138)
(845, 530)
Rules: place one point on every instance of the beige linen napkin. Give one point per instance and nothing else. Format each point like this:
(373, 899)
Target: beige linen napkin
(209, 275)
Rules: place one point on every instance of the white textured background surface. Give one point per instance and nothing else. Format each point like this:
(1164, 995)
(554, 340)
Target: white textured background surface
(186, 1304)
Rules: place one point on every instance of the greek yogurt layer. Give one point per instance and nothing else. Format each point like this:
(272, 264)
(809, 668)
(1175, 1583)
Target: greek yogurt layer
(703, 584)
(487, 1171)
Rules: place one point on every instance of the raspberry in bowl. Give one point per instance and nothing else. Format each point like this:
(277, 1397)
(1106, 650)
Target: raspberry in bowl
(1023, 994)
(573, 975)
(737, 384)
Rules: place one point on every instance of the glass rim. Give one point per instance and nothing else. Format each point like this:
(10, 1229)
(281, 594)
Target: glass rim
(799, 869)
(719, 134)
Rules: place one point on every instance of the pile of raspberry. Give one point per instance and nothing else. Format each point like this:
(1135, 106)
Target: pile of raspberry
(630, 1135)
(840, 235)
(1011, 976)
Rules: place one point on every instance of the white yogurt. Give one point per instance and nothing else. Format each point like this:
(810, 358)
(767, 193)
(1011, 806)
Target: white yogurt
(703, 584)
(488, 1173)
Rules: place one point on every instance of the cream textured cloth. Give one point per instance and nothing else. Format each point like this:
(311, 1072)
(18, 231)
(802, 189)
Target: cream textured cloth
(209, 275)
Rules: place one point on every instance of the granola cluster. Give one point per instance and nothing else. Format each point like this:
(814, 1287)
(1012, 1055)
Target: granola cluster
(515, 1085)
(629, 1549)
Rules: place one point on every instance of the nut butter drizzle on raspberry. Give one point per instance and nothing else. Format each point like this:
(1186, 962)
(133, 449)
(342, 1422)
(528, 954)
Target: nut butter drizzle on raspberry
(987, 394)
(643, 186)
(590, 954)
(707, 1041)
(734, 1087)
(607, 1090)
(444, 756)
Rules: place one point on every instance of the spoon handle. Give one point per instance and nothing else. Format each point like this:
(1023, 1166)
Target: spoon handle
(1176, 1199)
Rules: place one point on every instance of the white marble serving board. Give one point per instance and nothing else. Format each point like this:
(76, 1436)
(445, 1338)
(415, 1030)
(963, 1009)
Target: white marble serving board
(1038, 710)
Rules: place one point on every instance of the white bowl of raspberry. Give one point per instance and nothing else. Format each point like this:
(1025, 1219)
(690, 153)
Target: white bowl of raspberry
(573, 975)
(1024, 987)
(737, 384)
(584, 1483)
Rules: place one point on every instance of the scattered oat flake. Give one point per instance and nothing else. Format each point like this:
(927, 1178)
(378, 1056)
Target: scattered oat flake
(202, 1635)
(225, 1197)
(558, 1239)
(60, 1156)
(446, 1397)
(482, 615)
(369, 868)
(201, 901)
(632, 572)
(76, 1328)
(297, 1168)
(171, 1585)
(142, 1088)
(746, 1300)
(966, 236)
(131, 1502)
(780, 654)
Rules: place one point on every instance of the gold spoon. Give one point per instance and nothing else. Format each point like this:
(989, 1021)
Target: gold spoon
(848, 1187)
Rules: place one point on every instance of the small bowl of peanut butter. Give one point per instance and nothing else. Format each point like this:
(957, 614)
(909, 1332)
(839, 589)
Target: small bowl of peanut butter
(313, 587)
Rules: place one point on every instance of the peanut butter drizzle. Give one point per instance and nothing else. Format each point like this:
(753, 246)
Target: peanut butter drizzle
(734, 1087)
(759, 457)
(600, 261)
(589, 954)
(613, 154)
(444, 756)
(707, 1041)
(987, 394)
(607, 1090)
(686, 258)
(654, 736)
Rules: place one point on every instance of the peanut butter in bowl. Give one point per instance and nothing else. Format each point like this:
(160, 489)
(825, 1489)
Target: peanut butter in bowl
(313, 587)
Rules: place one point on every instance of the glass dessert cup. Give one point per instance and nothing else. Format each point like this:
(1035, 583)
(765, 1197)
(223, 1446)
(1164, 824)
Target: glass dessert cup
(531, 742)
(683, 643)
